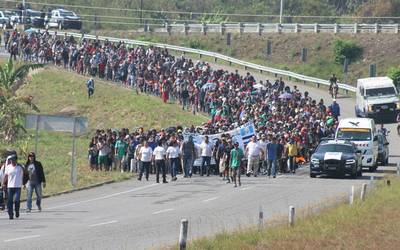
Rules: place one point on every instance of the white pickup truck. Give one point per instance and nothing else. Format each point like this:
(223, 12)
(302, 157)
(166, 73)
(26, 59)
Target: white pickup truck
(377, 97)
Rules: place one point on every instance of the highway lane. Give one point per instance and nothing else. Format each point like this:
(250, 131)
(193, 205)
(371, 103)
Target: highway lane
(138, 215)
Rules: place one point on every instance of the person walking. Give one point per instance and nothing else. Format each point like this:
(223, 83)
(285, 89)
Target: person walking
(272, 149)
(173, 156)
(14, 179)
(159, 162)
(206, 153)
(253, 152)
(121, 147)
(2, 188)
(292, 151)
(90, 87)
(236, 157)
(335, 109)
(145, 155)
(188, 151)
(35, 180)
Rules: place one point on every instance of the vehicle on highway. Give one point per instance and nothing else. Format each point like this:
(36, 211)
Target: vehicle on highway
(383, 149)
(377, 98)
(13, 17)
(362, 132)
(35, 18)
(64, 19)
(336, 157)
(4, 20)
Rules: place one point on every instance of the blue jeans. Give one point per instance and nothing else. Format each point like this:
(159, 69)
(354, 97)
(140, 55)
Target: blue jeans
(14, 195)
(1, 198)
(187, 165)
(38, 190)
(174, 162)
(205, 160)
(145, 167)
(271, 167)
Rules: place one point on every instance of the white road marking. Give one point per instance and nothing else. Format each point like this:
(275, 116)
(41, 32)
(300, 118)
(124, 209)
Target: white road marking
(164, 211)
(211, 199)
(22, 238)
(247, 188)
(103, 223)
(104, 197)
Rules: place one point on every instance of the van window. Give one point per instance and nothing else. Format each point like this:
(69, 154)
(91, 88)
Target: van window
(380, 92)
(354, 134)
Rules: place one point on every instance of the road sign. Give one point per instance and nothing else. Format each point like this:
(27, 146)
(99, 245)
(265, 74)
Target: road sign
(74, 125)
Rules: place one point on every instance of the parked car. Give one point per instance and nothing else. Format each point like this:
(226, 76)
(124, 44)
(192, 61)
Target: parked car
(336, 157)
(13, 18)
(383, 149)
(35, 18)
(63, 19)
(4, 20)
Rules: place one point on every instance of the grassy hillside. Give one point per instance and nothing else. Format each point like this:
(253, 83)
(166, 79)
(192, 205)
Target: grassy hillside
(60, 92)
(372, 224)
(379, 49)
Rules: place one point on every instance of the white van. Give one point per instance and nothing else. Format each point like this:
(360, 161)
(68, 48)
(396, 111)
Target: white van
(362, 132)
(377, 97)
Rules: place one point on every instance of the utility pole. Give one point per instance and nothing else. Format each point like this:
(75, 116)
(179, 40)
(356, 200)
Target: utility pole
(281, 12)
(141, 11)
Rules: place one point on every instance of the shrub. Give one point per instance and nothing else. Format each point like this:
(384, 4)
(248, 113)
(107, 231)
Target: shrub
(394, 74)
(346, 49)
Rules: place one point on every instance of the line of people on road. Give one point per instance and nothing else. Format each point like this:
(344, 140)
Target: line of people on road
(14, 176)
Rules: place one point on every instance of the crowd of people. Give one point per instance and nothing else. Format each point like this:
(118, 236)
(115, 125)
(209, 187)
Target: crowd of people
(289, 120)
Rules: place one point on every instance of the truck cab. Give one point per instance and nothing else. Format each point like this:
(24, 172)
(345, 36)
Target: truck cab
(362, 132)
(377, 97)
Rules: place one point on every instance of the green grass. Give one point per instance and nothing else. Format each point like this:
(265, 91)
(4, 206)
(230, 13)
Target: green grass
(373, 224)
(56, 91)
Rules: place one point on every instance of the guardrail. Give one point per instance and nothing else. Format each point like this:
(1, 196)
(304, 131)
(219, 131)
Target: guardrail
(247, 65)
(261, 28)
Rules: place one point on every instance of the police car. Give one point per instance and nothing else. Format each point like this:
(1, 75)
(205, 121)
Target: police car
(336, 157)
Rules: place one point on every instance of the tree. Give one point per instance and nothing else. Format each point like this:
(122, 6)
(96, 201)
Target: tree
(12, 106)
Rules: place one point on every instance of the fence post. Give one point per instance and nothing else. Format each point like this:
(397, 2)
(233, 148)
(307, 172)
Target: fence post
(396, 28)
(376, 28)
(398, 169)
(335, 28)
(259, 29)
(222, 28)
(204, 29)
(363, 191)
(296, 28)
(168, 28)
(291, 215)
(352, 195)
(186, 27)
(241, 28)
(355, 28)
(278, 28)
(316, 28)
(183, 234)
(132, 165)
(228, 39)
(260, 218)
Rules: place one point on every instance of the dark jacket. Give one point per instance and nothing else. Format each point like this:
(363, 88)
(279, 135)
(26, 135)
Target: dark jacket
(39, 171)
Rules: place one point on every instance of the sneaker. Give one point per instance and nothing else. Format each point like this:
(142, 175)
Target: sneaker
(165, 182)
(235, 186)
(39, 208)
(274, 176)
(28, 210)
(139, 179)
(240, 183)
(17, 214)
(11, 217)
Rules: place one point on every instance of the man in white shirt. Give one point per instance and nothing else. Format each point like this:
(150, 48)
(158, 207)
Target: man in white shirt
(173, 154)
(14, 176)
(159, 161)
(253, 152)
(145, 155)
(206, 153)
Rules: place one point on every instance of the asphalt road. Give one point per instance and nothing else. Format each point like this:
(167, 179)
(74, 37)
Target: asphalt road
(141, 215)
